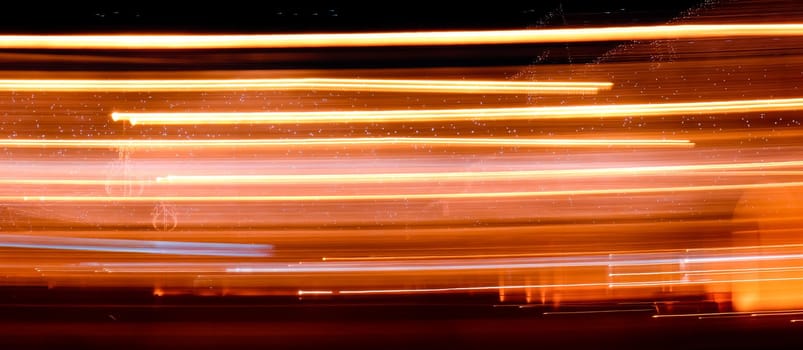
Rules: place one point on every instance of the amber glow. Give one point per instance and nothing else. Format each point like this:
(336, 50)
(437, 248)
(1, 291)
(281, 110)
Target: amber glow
(669, 167)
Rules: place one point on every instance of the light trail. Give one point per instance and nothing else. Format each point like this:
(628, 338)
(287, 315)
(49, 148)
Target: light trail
(393, 196)
(344, 142)
(325, 84)
(481, 256)
(707, 272)
(567, 285)
(315, 292)
(74, 182)
(733, 313)
(547, 262)
(501, 264)
(134, 246)
(428, 38)
(472, 289)
(704, 169)
(763, 246)
(557, 313)
(567, 215)
(466, 175)
(480, 114)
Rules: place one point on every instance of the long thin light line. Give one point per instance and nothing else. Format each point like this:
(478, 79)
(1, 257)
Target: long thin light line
(429, 38)
(134, 246)
(440, 115)
(723, 170)
(709, 272)
(464, 175)
(567, 285)
(340, 84)
(370, 141)
(396, 196)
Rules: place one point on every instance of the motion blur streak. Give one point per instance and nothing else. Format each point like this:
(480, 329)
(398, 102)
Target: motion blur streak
(440, 115)
(396, 196)
(610, 169)
(659, 32)
(480, 175)
(567, 285)
(373, 141)
(132, 246)
(342, 84)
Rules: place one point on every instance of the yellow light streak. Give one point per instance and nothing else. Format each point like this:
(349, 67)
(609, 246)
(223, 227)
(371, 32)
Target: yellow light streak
(441, 115)
(429, 38)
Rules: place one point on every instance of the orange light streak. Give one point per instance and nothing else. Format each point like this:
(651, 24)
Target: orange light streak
(287, 84)
(74, 182)
(482, 256)
(465, 175)
(441, 115)
(357, 141)
(709, 272)
(566, 285)
(393, 196)
(315, 292)
(430, 38)
(724, 169)
(734, 313)
(557, 202)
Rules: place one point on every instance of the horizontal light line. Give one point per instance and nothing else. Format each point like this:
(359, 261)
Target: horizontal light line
(414, 196)
(611, 254)
(557, 313)
(545, 262)
(481, 256)
(757, 173)
(439, 115)
(568, 285)
(496, 264)
(724, 170)
(287, 84)
(467, 289)
(748, 247)
(787, 313)
(134, 246)
(703, 272)
(74, 182)
(315, 292)
(369, 141)
(132, 42)
(735, 313)
(466, 175)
